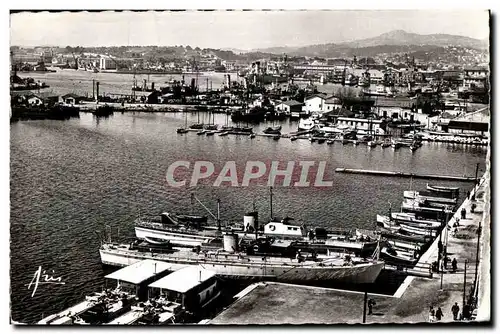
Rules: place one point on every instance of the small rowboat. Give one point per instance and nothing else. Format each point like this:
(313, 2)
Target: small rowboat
(398, 257)
(156, 241)
(417, 231)
(442, 189)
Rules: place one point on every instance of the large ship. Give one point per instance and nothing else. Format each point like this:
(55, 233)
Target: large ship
(274, 261)
(192, 231)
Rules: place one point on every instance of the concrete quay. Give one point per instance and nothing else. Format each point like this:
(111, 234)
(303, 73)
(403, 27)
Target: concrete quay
(278, 303)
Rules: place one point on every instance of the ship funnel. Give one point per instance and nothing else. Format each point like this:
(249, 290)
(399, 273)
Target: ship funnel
(230, 242)
(250, 221)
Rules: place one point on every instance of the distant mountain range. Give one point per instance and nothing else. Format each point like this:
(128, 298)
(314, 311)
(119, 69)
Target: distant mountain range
(394, 40)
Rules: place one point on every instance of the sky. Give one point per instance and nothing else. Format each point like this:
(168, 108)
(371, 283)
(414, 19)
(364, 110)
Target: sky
(235, 29)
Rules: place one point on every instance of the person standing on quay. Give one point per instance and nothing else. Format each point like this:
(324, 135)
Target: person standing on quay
(431, 314)
(455, 309)
(454, 264)
(446, 259)
(371, 302)
(439, 314)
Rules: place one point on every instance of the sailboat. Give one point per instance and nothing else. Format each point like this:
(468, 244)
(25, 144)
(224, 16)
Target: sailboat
(184, 129)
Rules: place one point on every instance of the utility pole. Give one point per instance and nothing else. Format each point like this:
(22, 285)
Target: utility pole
(477, 170)
(218, 215)
(465, 283)
(477, 257)
(271, 200)
(441, 288)
(365, 301)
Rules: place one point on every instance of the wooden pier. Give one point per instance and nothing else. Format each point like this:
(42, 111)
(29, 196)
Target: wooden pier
(402, 174)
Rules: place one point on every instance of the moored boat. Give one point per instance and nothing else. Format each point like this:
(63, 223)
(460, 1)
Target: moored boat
(450, 191)
(239, 265)
(182, 130)
(386, 221)
(417, 231)
(393, 256)
(424, 196)
(273, 130)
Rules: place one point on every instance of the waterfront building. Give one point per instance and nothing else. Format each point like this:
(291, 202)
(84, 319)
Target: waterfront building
(314, 103)
(33, 100)
(393, 108)
(192, 287)
(475, 123)
(70, 99)
(361, 124)
(106, 63)
(289, 107)
(475, 77)
(135, 278)
(332, 103)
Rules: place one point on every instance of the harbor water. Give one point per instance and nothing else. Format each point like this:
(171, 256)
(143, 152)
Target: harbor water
(70, 179)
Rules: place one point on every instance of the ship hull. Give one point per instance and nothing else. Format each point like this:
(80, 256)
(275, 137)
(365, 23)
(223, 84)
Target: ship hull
(359, 274)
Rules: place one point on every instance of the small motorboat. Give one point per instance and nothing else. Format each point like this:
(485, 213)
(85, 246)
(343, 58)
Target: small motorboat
(223, 133)
(201, 132)
(210, 133)
(330, 142)
(443, 189)
(417, 231)
(397, 257)
(252, 136)
(293, 138)
(387, 224)
(181, 130)
(276, 130)
(410, 219)
(321, 140)
(429, 197)
(371, 143)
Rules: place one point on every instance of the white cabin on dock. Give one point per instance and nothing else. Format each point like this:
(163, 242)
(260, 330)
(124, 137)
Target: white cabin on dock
(193, 287)
(135, 278)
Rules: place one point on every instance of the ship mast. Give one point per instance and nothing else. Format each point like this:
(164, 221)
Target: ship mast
(271, 200)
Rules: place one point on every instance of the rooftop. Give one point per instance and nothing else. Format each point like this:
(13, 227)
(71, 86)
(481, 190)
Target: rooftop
(292, 103)
(140, 271)
(183, 279)
(70, 95)
(320, 95)
(483, 69)
(388, 102)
